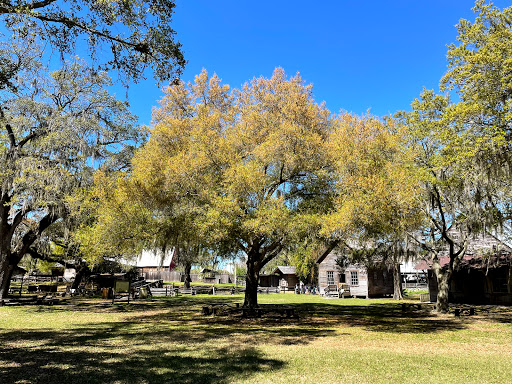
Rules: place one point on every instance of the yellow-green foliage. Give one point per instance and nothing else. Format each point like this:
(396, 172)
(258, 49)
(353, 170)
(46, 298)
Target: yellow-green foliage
(378, 189)
(227, 165)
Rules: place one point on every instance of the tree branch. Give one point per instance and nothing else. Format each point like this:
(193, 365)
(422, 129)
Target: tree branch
(17, 221)
(138, 47)
(271, 251)
(28, 239)
(24, 7)
(10, 133)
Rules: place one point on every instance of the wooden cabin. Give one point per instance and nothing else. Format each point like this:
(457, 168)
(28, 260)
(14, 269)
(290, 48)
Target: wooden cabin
(356, 280)
(483, 276)
(287, 277)
(153, 261)
(268, 280)
(283, 277)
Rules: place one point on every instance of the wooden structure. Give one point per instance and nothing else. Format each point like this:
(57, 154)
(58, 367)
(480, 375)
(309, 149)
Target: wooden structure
(478, 280)
(287, 278)
(268, 280)
(209, 276)
(356, 280)
(283, 277)
(484, 275)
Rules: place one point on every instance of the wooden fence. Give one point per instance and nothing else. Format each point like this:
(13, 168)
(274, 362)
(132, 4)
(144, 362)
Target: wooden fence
(173, 276)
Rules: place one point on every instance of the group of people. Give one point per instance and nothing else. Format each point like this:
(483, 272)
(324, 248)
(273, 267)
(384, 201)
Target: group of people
(301, 288)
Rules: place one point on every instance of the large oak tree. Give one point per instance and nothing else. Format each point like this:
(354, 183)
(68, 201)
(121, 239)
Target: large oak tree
(56, 129)
(464, 145)
(248, 168)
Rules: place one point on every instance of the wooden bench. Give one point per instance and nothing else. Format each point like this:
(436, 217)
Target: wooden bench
(190, 291)
(331, 291)
(343, 291)
(425, 297)
(216, 309)
(409, 306)
(48, 300)
(267, 290)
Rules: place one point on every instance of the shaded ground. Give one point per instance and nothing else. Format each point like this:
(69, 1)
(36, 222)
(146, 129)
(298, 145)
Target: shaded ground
(169, 341)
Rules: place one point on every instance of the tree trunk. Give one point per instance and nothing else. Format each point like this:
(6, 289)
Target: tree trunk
(509, 280)
(6, 270)
(188, 279)
(443, 289)
(251, 281)
(82, 271)
(397, 282)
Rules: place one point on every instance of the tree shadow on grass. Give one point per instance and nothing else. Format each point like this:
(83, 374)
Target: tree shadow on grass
(161, 341)
(378, 317)
(315, 319)
(107, 355)
(170, 341)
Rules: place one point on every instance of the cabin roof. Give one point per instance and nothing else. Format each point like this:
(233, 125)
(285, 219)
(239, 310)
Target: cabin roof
(328, 249)
(285, 270)
(469, 261)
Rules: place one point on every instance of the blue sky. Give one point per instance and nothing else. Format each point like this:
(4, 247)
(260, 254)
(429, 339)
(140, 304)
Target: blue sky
(359, 55)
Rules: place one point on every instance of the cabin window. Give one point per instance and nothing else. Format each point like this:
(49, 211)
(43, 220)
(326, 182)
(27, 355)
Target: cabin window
(330, 277)
(343, 278)
(354, 278)
(500, 285)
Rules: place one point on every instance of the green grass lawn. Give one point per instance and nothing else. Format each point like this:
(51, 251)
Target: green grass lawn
(167, 340)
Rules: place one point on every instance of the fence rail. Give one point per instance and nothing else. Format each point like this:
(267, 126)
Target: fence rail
(175, 277)
(415, 286)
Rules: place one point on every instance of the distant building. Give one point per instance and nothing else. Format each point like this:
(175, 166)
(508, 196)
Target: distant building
(484, 275)
(287, 277)
(356, 280)
(152, 261)
(283, 277)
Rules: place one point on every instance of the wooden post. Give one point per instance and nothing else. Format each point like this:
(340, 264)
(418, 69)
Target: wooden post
(21, 285)
(234, 268)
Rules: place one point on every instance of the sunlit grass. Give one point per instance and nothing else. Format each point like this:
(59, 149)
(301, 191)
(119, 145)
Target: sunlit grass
(167, 340)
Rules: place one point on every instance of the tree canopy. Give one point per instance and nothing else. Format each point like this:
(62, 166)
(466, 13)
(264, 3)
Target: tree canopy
(247, 168)
(463, 155)
(56, 130)
(127, 36)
